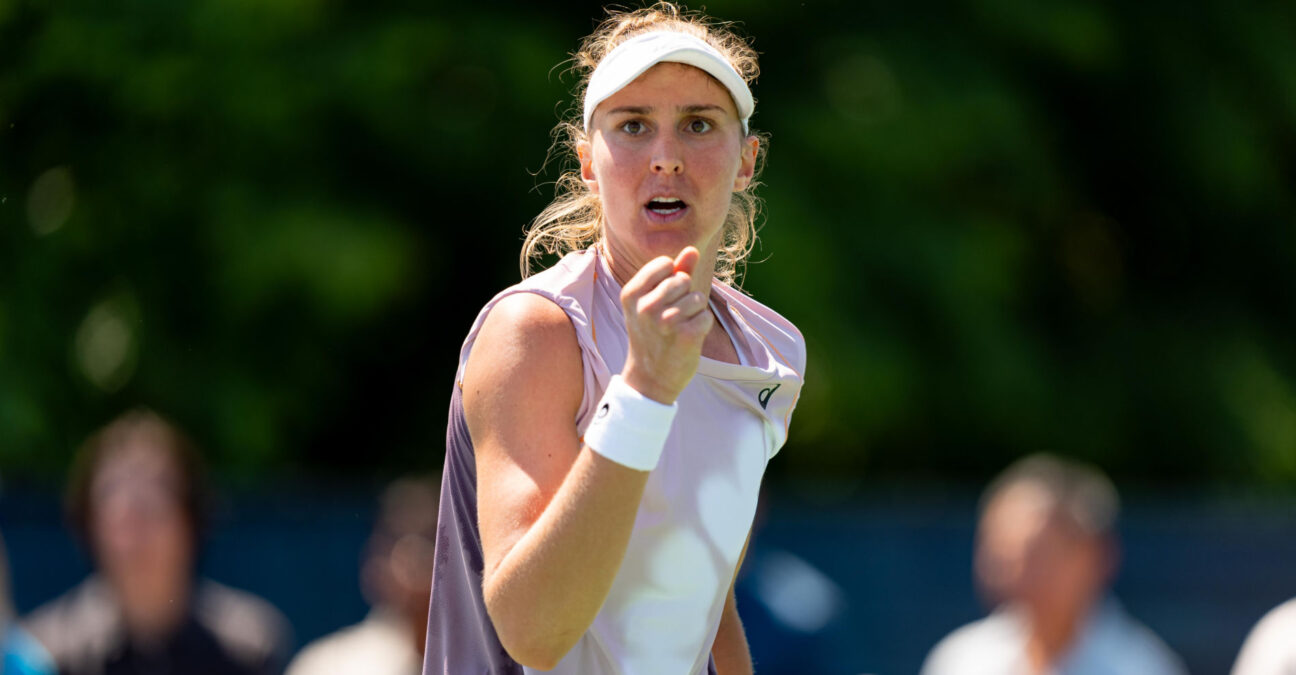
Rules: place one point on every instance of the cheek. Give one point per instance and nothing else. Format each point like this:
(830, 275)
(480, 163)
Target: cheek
(615, 179)
(721, 169)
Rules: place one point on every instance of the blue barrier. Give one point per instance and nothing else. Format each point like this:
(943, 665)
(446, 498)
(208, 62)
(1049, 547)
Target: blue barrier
(1199, 572)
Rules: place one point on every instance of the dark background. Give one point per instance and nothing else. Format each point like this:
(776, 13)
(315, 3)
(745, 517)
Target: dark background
(1004, 226)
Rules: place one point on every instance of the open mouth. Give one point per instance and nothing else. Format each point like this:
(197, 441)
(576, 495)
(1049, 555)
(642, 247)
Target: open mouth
(666, 206)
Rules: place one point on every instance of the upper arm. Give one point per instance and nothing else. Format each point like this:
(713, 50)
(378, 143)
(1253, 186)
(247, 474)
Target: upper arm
(730, 650)
(730, 611)
(522, 390)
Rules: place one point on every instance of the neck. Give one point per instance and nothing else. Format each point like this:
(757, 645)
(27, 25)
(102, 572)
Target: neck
(625, 266)
(151, 606)
(1051, 635)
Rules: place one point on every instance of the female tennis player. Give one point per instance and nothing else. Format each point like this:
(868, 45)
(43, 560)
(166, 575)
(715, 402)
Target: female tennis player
(614, 414)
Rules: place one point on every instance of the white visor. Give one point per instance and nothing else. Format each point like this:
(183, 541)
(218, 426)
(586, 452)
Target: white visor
(634, 56)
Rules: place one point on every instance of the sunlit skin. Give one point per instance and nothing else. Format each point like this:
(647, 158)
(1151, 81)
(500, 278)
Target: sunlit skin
(673, 132)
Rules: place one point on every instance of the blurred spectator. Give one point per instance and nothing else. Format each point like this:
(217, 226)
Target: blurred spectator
(19, 653)
(137, 500)
(396, 578)
(1270, 649)
(1045, 559)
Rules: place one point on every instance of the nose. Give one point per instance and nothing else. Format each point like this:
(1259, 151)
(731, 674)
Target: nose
(667, 157)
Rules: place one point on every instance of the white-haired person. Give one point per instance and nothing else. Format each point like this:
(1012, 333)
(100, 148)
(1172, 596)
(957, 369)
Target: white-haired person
(1046, 556)
(1270, 647)
(613, 415)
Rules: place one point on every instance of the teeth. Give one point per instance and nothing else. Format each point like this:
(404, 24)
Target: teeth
(665, 204)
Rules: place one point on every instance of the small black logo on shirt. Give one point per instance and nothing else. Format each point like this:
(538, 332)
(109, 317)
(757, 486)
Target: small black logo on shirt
(603, 410)
(765, 395)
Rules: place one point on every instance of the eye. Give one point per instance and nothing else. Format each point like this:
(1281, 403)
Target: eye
(699, 126)
(632, 127)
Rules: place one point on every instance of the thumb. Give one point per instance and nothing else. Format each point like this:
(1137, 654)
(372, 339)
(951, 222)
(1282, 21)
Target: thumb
(687, 260)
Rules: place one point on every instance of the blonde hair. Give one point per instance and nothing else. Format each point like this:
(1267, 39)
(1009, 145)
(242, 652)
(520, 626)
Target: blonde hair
(574, 219)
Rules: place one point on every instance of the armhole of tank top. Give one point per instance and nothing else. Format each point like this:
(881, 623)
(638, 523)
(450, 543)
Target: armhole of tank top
(585, 351)
(787, 419)
(586, 368)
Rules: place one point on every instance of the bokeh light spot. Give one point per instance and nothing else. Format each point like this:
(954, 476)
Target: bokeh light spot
(106, 346)
(50, 200)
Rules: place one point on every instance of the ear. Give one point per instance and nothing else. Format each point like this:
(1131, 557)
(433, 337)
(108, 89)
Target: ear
(747, 169)
(584, 152)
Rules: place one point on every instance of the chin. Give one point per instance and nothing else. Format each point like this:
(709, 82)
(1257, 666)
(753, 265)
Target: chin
(669, 246)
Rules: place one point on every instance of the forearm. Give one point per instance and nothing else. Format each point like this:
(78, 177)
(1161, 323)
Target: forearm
(730, 651)
(546, 590)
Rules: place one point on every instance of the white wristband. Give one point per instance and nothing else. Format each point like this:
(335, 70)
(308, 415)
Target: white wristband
(628, 427)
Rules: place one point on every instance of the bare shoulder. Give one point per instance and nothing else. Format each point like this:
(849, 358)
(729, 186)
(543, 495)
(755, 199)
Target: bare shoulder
(525, 336)
(523, 382)
(528, 316)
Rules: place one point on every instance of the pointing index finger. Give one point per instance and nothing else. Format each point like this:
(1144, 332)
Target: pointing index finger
(687, 260)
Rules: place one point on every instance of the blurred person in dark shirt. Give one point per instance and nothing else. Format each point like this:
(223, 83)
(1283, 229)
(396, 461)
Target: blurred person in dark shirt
(396, 577)
(137, 500)
(1046, 556)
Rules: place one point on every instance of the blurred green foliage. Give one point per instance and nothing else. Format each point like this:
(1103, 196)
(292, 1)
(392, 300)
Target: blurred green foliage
(1003, 226)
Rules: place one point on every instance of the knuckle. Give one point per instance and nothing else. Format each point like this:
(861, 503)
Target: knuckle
(630, 296)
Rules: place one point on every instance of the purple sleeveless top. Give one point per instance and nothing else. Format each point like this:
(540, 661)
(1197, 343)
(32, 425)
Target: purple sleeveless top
(460, 638)
(664, 609)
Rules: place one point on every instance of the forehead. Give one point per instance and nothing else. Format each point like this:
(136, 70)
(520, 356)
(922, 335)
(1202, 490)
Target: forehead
(139, 462)
(670, 85)
(1022, 505)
